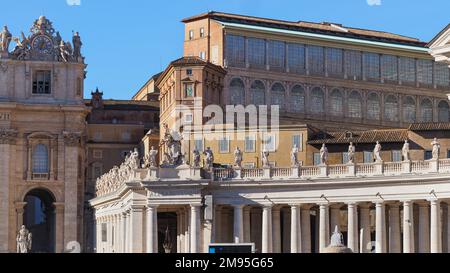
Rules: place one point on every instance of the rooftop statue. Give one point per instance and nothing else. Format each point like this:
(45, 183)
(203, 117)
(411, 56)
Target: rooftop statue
(172, 143)
(294, 157)
(436, 148)
(5, 39)
(209, 160)
(196, 158)
(405, 151)
(238, 157)
(265, 158)
(324, 155)
(351, 153)
(377, 152)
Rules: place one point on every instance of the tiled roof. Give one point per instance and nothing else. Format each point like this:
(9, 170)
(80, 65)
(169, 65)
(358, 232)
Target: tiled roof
(383, 136)
(430, 126)
(324, 27)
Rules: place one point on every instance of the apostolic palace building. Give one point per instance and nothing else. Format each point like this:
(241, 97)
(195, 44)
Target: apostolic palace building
(361, 143)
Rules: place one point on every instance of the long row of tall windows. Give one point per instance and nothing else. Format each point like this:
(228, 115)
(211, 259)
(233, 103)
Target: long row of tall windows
(318, 60)
(410, 112)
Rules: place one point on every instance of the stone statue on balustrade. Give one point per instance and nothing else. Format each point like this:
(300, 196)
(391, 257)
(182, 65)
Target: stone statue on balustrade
(150, 158)
(77, 44)
(134, 159)
(22, 49)
(324, 155)
(351, 153)
(172, 143)
(294, 157)
(377, 153)
(405, 151)
(196, 158)
(436, 148)
(238, 157)
(5, 40)
(265, 158)
(24, 240)
(209, 160)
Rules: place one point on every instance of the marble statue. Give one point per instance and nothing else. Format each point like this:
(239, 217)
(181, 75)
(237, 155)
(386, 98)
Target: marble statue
(134, 159)
(209, 160)
(5, 39)
(150, 158)
(76, 40)
(238, 157)
(24, 240)
(436, 148)
(64, 52)
(405, 151)
(265, 158)
(22, 49)
(324, 155)
(351, 153)
(377, 152)
(172, 154)
(196, 158)
(294, 158)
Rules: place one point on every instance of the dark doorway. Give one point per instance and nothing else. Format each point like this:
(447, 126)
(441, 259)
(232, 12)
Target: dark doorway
(39, 219)
(167, 232)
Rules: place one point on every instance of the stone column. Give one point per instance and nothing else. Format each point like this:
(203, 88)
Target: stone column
(71, 152)
(448, 227)
(306, 228)
(218, 225)
(182, 248)
(276, 230)
(408, 227)
(59, 227)
(424, 228)
(247, 227)
(444, 229)
(435, 236)
(195, 227)
(5, 160)
(335, 217)
(394, 229)
(137, 229)
(152, 228)
(238, 227)
(187, 237)
(380, 241)
(266, 229)
(124, 232)
(324, 232)
(365, 228)
(178, 231)
(352, 233)
(295, 229)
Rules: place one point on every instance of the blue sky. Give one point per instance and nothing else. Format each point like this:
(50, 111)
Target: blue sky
(125, 42)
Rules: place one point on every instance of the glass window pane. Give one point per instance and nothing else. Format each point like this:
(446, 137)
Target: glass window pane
(297, 99)
(317, 159)
(396, 156)
(337, 102)
(296, 53)
(317, 101)
(278, 95)
(389, 67)
(407, 70)
(373, 107)
(334, 61)
(257, 52)
(391, 108)
(40, 159)
(237, 92)
(444, 115)
(442, 74)
(425, 72)
(426, 108)
(409, 110)
(315, 59)
(258, 93)
(355, 105)
(372, 65)
(277, 52)
(353, 64)
(368, 157)
(235, 50)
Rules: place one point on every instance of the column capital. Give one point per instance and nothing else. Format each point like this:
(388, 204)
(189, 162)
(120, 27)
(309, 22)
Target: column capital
(434, 201)
(295, 205)
(195, 205)
(152, 206)
(407, 202)
(20, 206)
(137, 208)
(239, 206)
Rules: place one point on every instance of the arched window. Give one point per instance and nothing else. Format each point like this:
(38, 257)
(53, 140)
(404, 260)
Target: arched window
(258, 93)
(297, 99)
(355, 105)
(336, 102)
(391, 108)
(409, 110)
(373, 107)
(237, 92)
(40, 159)
(317, 101)
(278, 95)
(444, 114)
(426, 111)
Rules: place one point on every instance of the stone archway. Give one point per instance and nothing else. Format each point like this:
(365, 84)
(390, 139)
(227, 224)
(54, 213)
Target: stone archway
(39, 218)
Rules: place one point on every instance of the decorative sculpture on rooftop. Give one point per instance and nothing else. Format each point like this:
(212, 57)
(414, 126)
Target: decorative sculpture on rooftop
(172, 143)
(196, 158)
(405, 151)
(209, 160)
(351, 153)
(294, 158)
(377, 152)
(265, 158)
(5, 39)
(24, 240)
(238, 156)
(150, 158)
(436, 148)
(324, 155)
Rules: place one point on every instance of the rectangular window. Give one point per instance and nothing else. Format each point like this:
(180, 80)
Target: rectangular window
(296, 53)
(368, 157)
(425, 72)
(256, 52)
(250, 144)
(224, 145)
(191, 34)
(428, 155)
(389, 66)
(188, 118)
(298, 141)
(269, 143)
(441, 74)
(372, 66)
(277, 54)
(396, 156)
(202, 55)
(189, 72)
(202, 32)
(353, 64)
(407, 70)
(188, 90)
(334, 61)
(316, 60)
(345, 158)
(104, 232)
(235, 50)
(199, 145)
(42, 82)
(316, 159)
(98, 154)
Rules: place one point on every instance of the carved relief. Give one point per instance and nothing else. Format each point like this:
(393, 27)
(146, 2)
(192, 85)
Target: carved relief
(7, 136)
(72, 139)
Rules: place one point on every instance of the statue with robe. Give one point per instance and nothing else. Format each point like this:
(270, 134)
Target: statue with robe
(405, 151)
(351, 153)
(324, 155)
(436, 148)
(209, 160)
(377, 152)
(294, 157)
(5, 39)
(238, 157)
(76, 41)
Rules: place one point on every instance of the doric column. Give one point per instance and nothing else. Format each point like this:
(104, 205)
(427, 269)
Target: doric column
(124, 232)
(238, 230)
(324, 228)
(187, 238)
(380, 241)
(152, 228)
(408, 227)
(365, 228)
(295, 229)
(182, 248)
(247, 227)
(424, 227)
(394, 229)
(276, 230)
(59, 227)
(352, 233)
(266, 229)
(305, 224)
(137, 229)
(335, 217)
(435, 236)
(195, 227)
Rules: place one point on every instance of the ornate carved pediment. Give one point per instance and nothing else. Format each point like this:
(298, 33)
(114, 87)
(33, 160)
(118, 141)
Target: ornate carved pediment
(72, 139)
(8, 136)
